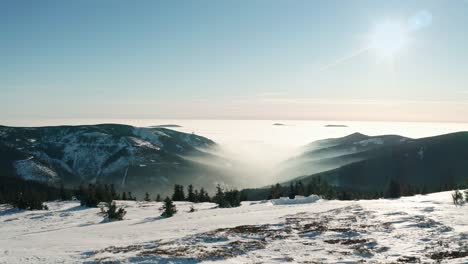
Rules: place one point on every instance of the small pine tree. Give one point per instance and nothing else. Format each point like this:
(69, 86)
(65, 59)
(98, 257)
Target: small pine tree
(457, 197)
(232, 198)
(168, 209)
(113, 193)
(179, 194)
(393, 190)
(344, 195)
(219, 197)
(292, 191)
(124, 196)
(300, 190)
(190, 194)
(276, 191)
(203, 196)
(112, 213)
(65, 195)
(158, 198)
(424, 190)
(89, 196)
(466, 195)
(147, 197)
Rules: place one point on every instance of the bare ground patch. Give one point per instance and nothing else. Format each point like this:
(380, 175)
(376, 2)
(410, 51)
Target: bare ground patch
(349, 233)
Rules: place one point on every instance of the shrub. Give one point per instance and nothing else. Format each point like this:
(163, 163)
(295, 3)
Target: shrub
(192, 209)
(113, 213)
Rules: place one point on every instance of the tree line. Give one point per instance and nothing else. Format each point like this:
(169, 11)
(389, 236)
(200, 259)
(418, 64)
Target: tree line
(31, 195)
(318, 186)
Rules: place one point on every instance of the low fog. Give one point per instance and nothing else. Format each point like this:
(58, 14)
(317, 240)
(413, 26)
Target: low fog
(259, 153)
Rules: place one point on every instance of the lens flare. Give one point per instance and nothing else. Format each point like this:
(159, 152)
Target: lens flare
(388, 38)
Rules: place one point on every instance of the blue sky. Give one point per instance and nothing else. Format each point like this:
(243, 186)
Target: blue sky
(233, 59)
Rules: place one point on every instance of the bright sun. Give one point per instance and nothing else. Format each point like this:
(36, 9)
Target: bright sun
(388, 38)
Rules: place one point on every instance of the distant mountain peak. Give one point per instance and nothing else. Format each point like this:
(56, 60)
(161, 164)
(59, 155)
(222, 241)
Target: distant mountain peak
(356, 136)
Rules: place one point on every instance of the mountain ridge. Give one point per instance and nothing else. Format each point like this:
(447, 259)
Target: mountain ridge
(430, 161)
(109, 153)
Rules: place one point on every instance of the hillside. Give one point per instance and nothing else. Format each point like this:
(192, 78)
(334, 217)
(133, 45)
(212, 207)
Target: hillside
(326, 154)
(431, 162)
(132, 158)
(422, 228)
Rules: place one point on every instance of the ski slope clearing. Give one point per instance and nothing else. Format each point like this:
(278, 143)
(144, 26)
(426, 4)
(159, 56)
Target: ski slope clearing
(422, 228)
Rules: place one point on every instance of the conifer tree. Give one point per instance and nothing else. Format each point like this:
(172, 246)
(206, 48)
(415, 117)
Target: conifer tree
(203, 196)
(219, 197)
(99, 193)
(64, 194)
(300, 190)
(113, 193)
(207, 197)
(114, 213)
(190, 194)
(457, 197)
(81, 191)
(168, 209)
(89, 197)
(292, 191)
(276, 191)
(29, 200)
(158, 198)
(179, 194)
(424, 189)
(232, 198)
(29, 194)
(393, 190)
(147, 197)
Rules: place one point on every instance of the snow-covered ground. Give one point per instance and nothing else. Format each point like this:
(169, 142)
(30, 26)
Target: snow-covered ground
(411, 229)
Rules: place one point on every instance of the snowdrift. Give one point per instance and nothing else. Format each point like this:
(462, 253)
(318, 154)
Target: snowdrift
(297, 200)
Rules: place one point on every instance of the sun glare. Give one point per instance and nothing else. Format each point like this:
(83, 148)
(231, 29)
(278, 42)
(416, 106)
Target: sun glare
(388, 38)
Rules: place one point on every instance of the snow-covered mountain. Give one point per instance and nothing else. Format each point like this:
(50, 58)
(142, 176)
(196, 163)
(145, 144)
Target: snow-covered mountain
(130, 157)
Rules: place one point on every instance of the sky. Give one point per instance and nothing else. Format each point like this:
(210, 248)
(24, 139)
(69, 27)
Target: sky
(249, 59)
